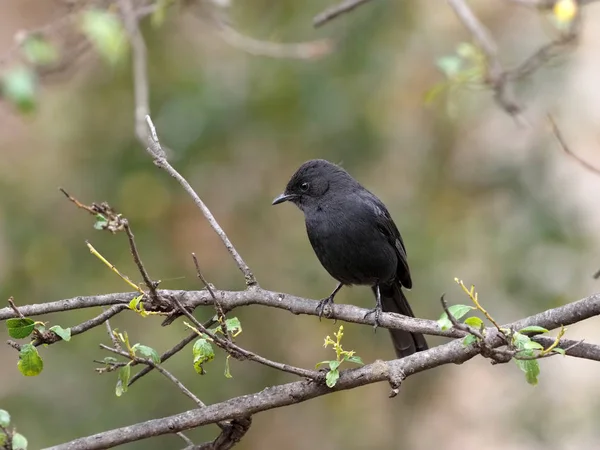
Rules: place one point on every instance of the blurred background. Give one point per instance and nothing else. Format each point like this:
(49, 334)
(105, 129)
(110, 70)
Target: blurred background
(475, 195)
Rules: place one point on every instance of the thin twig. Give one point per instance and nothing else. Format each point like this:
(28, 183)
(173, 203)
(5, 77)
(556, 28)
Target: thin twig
(186, 439)
(112, 336)
(218, 307)
(297, 50)
(165, 356)
(496, 74)
(563, 145)
(11, 303)
(335, 11)
(152, 285)
(140, 71)
(158, 367)
(240, 353)
(112, 267)
(158, 155)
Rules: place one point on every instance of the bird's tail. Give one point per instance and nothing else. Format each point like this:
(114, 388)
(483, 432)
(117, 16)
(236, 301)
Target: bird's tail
(405, 342)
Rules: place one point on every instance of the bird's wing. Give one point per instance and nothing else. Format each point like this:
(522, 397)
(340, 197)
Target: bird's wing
(386, 225)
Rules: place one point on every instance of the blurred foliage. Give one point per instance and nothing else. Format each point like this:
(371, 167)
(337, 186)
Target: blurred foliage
(465, 194)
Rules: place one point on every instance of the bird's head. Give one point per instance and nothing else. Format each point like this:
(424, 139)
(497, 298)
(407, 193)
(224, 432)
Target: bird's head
(314, 180)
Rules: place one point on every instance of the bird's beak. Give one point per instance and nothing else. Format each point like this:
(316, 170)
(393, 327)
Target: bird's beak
(283, 198)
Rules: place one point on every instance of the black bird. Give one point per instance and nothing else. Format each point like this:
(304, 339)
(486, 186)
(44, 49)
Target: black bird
(356, 240)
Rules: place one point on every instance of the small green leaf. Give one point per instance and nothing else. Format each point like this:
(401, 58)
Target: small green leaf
(449, 65)
(109, 360)
(20, 328)
(19, 86)
(457, 312)
(468, 340)
(234, 326)
(203, 352)
(531, 367)
(474, 322)
(532, 345)
(2, 439)
(30, 363)
(39, 51)
(106, 32)
(533, 329)
(356, 360)
(227, 371)
(333, 365)
(147, 352)
(123, 380)
(331, 378)
(520, 340)
(4, 418)
(19, 442)
(100, 224)
(559, 350)
(64, 333)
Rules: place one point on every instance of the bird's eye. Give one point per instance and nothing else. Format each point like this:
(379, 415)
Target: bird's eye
(304, 186)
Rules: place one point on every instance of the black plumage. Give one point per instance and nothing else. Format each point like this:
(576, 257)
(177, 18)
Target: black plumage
(356, 241)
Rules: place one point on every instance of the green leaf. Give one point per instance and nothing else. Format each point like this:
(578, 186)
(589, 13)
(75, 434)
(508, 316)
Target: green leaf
(333, 365)
(457, 312)
(474, 322)
(30, 363)
(106, 32)
(356, 360)
(234, 326)
(532, 345)
(531, 367)
(109, 360)
(19, 86)
(39, 51)
(468, 340)
(123, 380)
(20, 328)
(203, 352)
(19, 442)
(101, 224)
(322, 363)
(227, 372)
(533, 329)
(2, 439)
(520, 340)
(331, 378)
(449, 65)
(64, 333)
(147, 352)
(559, 350)
(4, 418)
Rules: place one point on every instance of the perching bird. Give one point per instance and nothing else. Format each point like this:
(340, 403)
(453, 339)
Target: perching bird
(356, 241)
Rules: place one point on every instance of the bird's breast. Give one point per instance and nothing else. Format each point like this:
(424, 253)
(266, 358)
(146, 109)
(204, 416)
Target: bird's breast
(350, 247)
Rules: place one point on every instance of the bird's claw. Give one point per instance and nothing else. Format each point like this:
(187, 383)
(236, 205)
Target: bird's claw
(326, 302)
(377, 312)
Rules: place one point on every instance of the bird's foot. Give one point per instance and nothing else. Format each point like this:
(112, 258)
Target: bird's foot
(377, 312)
(325, 303)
